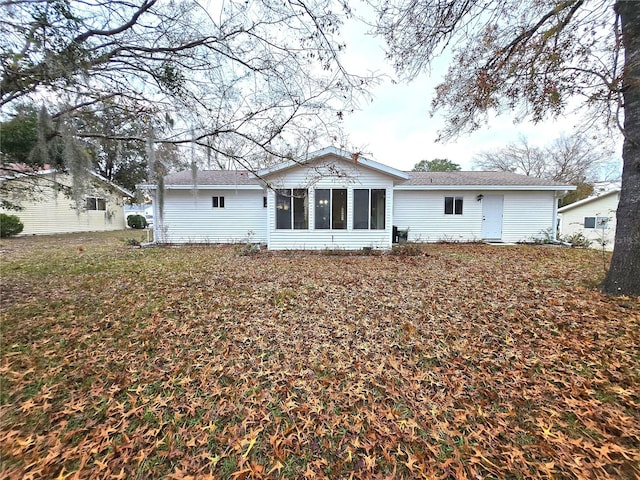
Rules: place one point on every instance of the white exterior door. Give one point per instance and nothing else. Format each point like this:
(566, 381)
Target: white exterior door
(492, 217)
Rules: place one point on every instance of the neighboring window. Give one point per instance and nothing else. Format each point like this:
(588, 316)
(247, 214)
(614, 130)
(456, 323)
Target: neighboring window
(94, 203)
(369, 209)
(264, 202)
(292, 209)
(217, 202)
(596, 222)
(453, 205)
(331, 209)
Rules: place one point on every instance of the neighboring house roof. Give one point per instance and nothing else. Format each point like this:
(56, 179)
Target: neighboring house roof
(13, 174)
(588, 200)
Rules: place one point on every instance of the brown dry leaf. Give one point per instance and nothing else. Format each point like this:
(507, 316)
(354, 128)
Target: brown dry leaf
(193, 362)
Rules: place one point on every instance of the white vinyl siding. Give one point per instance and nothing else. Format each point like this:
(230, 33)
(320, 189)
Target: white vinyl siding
(188, 217)
(525, 215)
(422, 212)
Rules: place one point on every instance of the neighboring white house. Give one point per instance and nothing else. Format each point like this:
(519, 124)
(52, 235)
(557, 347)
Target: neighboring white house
(334, 200)
(48, 210)
(593, 217)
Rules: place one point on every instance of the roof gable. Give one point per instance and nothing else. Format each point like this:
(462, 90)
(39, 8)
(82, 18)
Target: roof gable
(355, 158)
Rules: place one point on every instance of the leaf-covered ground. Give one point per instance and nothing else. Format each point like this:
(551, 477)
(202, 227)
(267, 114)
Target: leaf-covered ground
(469, 361)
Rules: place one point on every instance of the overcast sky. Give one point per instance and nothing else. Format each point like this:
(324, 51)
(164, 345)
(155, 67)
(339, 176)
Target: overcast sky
(395, 128)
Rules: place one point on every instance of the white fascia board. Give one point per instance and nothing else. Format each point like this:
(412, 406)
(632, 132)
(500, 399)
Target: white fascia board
(51, 171)
(112, 185)
(384, 168)
(210, 187)
(150, 187)
(518, 188)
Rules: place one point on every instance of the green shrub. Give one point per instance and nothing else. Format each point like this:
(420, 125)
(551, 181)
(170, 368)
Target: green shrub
(137, 221)
(10, 225)
(247, 249)
(577, 240)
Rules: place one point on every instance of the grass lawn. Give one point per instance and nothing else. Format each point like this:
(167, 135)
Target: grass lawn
(467, 361)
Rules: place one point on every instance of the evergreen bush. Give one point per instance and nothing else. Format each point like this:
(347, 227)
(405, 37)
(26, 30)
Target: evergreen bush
(10, 225)
(137, 221)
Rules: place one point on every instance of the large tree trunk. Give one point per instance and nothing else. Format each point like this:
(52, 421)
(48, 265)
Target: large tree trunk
(623, 277)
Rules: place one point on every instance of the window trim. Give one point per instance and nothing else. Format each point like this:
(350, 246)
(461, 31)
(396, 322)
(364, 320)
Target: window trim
(369, 215)
(97, 202)
(293, 195)
(455, 203)
(330, 207)
(596, 222)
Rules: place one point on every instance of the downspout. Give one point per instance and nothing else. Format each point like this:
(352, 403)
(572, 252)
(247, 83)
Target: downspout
(156, 217)
(554, 226)
(267, 192)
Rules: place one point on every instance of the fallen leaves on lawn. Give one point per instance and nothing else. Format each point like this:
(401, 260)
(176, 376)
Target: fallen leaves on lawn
(471, 362)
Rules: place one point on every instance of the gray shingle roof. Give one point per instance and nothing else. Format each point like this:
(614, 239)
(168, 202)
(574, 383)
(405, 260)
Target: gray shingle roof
(212, 177)
(242, 177)
(475, 179)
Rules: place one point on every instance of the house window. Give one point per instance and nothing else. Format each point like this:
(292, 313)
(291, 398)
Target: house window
(369, 209)
(217, 202)
(292, 209)
(95, 203)
(453, 205)
(596, 222)
(264, 202)
(331, 209)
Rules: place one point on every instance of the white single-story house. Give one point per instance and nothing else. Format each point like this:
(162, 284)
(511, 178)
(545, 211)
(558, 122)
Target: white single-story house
(336, 200)
(48, 210)
(593, 217)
